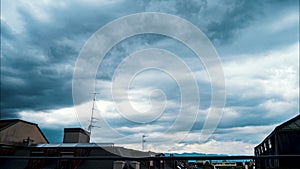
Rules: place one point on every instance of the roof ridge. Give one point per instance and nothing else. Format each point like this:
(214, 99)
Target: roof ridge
(287, 122)
(17, 120)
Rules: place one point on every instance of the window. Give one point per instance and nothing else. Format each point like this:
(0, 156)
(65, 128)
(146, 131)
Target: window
(270, 144)
(265, 146)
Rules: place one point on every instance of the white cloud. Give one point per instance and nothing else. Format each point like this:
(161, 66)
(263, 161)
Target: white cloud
(247, 77)
(237, 140)
(10, 15)
(51, 119)
(220, 147)
(210, 147)
(270, 77)
(276, 107)
(273, 74)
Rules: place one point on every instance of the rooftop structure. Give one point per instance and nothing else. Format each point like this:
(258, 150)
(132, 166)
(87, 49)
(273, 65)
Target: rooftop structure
(76, 135)
(284, 140)
(25, 139)
(18, 132)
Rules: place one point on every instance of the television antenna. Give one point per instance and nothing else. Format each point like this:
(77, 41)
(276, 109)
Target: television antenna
(143, 141)
(92, 122)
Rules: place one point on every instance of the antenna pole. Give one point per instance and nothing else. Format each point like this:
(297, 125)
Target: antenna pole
(143, 141)
(92, 115)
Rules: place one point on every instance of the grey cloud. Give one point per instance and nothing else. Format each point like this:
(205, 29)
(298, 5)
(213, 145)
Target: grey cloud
(6, 31)
(37, 52)
(254, 115)
(221, 21)
(36, 64)
(237, 15)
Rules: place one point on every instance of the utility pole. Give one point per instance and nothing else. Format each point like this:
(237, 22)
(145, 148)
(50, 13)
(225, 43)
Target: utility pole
(91, 125)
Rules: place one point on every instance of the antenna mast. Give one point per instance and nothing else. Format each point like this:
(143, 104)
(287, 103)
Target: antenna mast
(143, 141)
(92, 115)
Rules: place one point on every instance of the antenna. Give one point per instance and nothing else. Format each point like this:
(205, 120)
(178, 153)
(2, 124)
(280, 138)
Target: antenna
(143, 141)
(91, 125)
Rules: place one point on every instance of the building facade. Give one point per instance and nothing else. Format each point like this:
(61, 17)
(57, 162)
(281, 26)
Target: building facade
(284, 140)
(18, 132)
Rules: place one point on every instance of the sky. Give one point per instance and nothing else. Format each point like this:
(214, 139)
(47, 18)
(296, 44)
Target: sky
(167, 94)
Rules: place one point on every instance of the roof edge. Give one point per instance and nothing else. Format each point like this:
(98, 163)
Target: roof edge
(277, 128)
(15, 121)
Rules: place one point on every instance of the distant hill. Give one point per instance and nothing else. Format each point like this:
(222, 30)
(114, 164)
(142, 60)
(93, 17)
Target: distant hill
(193, 154)
(201, 154)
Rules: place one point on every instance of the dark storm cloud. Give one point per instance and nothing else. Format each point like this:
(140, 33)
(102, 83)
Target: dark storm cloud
(220, 20)
(237, 15)
(39, 52)
(30, 77)
(37, 64)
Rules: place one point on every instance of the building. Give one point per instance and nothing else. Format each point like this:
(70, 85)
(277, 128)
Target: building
(284, 140)
(25, 139)
(70, 150)
(18, 132)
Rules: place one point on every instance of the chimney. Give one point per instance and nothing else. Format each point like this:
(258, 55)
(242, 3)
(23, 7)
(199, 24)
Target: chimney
(76, 135)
